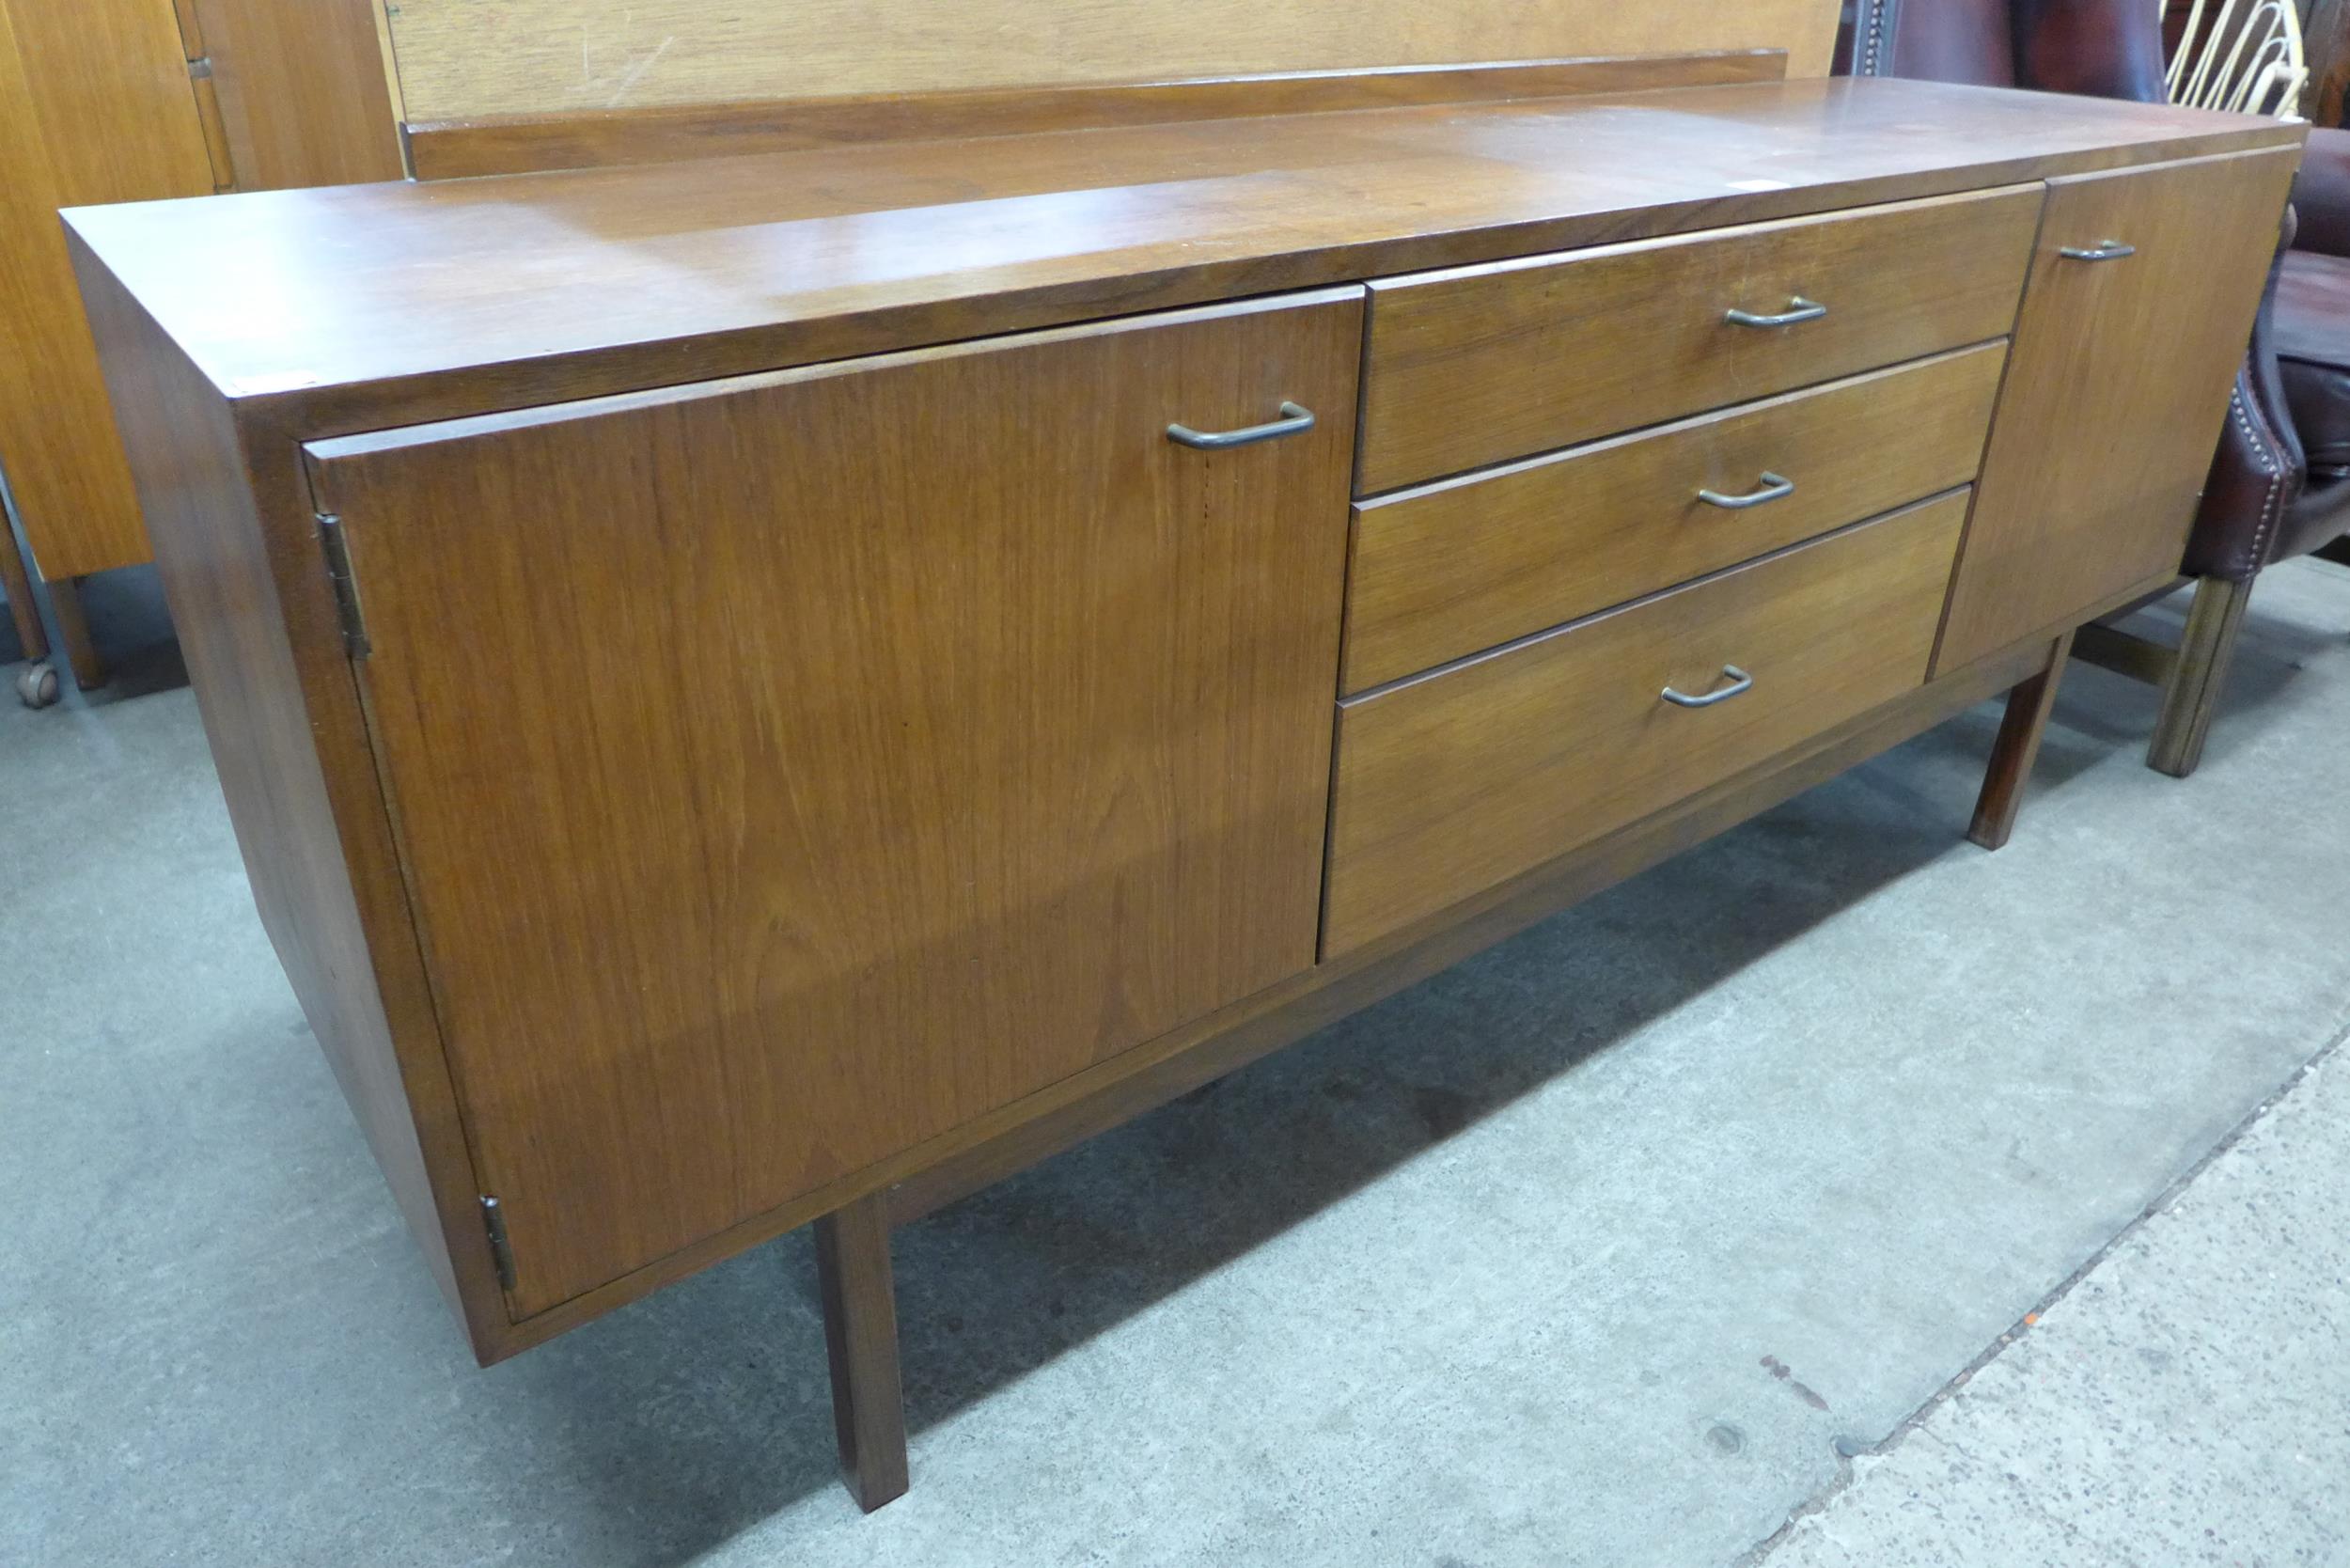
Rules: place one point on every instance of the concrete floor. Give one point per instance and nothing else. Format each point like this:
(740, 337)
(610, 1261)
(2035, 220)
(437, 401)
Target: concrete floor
(1597, 1249)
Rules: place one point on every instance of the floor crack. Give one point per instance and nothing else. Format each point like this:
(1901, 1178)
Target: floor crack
(1850, 1449)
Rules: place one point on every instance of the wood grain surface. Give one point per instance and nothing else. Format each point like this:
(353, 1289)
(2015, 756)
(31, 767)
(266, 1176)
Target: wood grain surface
(108, 81)
(2116, 391)
(460, 58)
(788, 771)
(304, 97)
(1449, 784)
(1441, 572)
(95, 105)
(469, 296)
(521, 144)
(1487, 364)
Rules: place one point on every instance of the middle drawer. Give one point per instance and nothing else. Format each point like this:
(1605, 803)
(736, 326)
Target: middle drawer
(1444, 571)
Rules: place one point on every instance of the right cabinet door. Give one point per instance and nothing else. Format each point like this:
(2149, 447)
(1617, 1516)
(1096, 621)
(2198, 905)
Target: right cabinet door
(2137, 316)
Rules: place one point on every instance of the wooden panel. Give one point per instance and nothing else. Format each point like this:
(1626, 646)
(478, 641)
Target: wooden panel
(1444, 571)
(460, 58)
(947, 769)
(478, 295)
(109, 84)
(302, 88)
(1493, 363)
(1450, 784)
(2118, 384)
(518, 144)
(95, 105)
(258, 628)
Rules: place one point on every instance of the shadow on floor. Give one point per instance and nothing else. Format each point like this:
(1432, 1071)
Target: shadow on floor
(716, 1391)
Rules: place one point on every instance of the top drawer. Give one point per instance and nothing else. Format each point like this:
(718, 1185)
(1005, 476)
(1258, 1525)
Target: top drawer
(1480, 365)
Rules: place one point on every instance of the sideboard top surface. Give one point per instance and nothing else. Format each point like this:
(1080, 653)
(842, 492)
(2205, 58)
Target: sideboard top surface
(362, 306)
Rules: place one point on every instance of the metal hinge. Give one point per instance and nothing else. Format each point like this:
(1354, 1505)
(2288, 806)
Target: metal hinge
(337, 550)
(501, 1250)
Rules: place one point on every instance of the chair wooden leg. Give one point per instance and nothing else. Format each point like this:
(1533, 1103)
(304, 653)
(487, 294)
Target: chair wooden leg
(2192, 693)
(65, 599)
(2017, 749)
(861, 1339)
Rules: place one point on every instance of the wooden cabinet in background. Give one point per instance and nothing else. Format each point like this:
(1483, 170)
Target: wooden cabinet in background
(111, 100)
(96, 104)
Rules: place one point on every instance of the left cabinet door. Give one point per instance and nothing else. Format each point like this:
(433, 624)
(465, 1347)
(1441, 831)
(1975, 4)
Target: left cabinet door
(788, 770)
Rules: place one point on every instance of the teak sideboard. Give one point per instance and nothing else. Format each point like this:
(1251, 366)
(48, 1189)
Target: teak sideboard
(784, 688)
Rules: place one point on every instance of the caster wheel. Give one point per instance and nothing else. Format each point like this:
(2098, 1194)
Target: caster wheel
(37, 684)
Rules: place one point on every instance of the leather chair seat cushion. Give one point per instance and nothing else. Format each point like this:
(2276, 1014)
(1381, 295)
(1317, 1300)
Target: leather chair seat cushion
(2313, 339)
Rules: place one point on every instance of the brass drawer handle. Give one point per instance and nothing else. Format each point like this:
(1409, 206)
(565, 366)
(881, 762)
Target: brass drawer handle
(1798, 309)
(2104, 250)
(1294, 420)
(1774, 487)
(1740, 681)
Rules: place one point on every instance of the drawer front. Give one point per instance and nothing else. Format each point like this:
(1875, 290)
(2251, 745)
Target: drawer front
(1442, 571)
(1449, 785)
(1485, 364)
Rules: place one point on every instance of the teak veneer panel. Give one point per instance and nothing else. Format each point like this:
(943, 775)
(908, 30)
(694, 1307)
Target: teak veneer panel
(1441, 572)
(1484, 364)
(461, 58)
(1450, 784)
(304, 97)
(108, 81)
(476, 295)
(2117, 391)
(95, 105)
(789, 771)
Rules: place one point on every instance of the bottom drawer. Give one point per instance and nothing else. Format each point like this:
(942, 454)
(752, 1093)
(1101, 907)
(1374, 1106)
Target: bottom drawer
(1451, 783)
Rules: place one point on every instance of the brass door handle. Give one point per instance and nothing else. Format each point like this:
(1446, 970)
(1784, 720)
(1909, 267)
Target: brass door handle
(1774, 487)
(2104, 250)
(1294, 420)
(1740, 683)
(1798, 309)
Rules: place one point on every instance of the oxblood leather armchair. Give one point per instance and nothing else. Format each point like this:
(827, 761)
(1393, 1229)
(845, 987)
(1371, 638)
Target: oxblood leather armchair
(2279, 484)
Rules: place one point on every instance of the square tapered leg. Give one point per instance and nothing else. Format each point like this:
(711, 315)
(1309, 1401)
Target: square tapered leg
(861, 1339)
(2017, 749)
